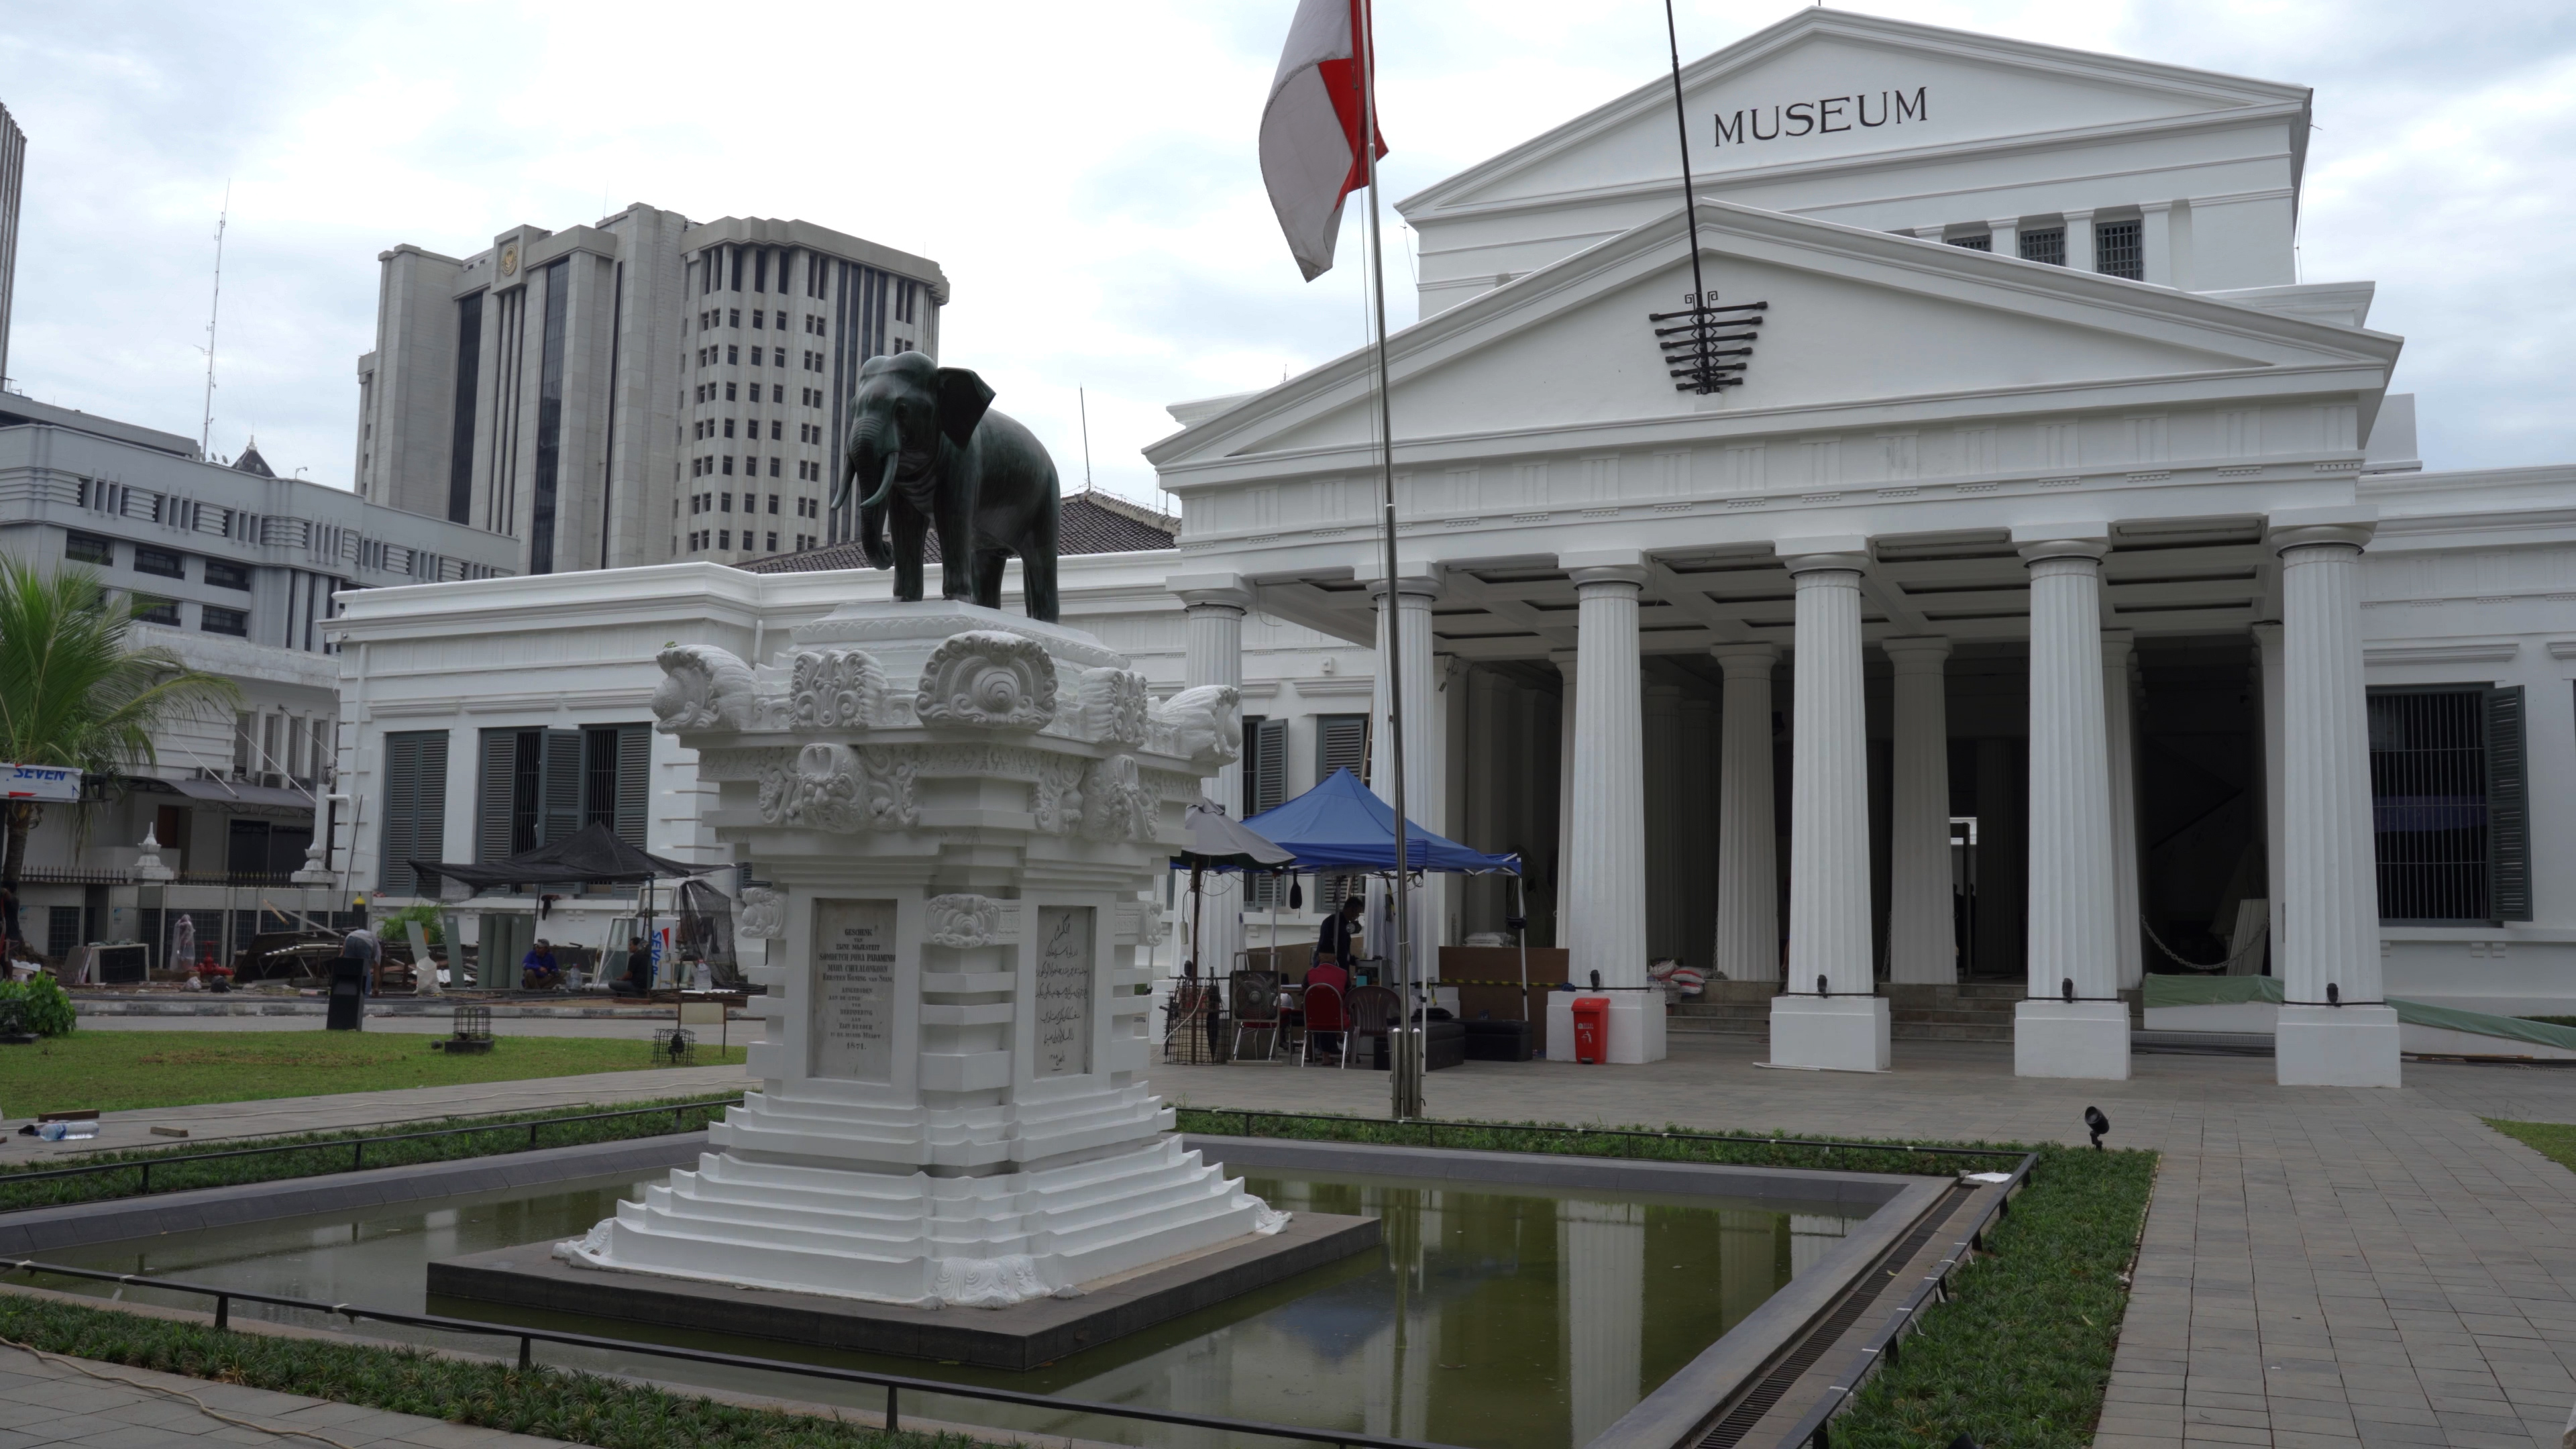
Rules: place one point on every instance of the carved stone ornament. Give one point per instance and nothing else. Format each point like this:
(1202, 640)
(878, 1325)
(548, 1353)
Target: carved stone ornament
(702, 688)
(760, 913)
(1115, 803)
(962, 922)
(988, 679)
(988, 1282)
(832, 689)
(1115, 707)
(1203, 726)
(1055, 797)
(833, 787)
(1152, 929)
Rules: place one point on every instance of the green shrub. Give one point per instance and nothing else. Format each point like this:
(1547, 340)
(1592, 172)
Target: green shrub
(49, 1009)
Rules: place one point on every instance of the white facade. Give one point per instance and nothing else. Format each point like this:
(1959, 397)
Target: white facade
(2083, 455)
(638, 391)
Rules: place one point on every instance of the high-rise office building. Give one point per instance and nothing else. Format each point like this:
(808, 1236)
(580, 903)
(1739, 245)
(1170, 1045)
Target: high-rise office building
(642, 390)
(13, 175)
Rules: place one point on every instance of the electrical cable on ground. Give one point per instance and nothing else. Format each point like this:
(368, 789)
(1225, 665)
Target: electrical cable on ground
(280, 1430)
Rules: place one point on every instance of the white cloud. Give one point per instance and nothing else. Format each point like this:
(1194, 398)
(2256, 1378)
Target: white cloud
(1086, 176)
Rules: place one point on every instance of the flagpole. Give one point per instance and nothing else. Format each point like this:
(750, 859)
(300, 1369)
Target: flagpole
(1405, 1065)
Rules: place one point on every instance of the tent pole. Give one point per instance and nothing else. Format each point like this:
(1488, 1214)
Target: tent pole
(1520, 913)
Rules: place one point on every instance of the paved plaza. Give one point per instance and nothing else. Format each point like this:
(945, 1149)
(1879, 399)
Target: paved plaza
(2322, 1266)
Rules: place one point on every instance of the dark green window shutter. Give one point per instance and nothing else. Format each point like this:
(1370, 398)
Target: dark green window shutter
(415, 806)
(1341, 743)
(2508, 806)
(634, 782)
(496, 795)
(559, 787)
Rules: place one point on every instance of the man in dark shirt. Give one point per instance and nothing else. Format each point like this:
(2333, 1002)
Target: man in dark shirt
(1334, 942)
(638, 980)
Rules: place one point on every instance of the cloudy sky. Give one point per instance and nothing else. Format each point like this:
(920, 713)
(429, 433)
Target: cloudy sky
(1086, 174)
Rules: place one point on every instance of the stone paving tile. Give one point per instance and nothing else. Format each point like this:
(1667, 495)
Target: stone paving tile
(2377, 1260)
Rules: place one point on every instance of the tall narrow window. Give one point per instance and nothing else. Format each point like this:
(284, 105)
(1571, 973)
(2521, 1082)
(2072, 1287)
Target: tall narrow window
(1341, 743)
(1265, 786)
(2448, 805)
(2116, 251)
(550, 389)
(415, 806)
(460, 437)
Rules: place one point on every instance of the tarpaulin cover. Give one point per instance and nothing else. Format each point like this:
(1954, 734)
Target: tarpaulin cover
(592, 855)
(1339, 825)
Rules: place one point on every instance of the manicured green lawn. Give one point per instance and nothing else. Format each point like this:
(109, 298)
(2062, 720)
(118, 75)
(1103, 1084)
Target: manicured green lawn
(114, 1070)
(2553, 1140)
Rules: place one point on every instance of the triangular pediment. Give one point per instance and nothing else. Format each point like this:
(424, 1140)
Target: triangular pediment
(1855, 317)
(1825, 86)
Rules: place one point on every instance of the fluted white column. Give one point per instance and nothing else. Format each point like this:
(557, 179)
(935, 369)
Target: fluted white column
(1567, 666)
(1694, 910)
(2267, 665)
(1426, 766)
(2335, 1030)
(1748, 866)
(1606, 866)
(1830, 1015)
(1215, 607)
(1829, 891)
(1663, 732)
(2120, 732)
(1922, 935)
(2073, 1024)
(1488, 725)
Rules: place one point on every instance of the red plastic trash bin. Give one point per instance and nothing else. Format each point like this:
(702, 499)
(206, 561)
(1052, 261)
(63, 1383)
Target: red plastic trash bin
(1591, 1030)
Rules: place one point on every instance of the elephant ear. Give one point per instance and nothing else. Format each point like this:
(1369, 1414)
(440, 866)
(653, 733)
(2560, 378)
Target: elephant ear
(963, 397)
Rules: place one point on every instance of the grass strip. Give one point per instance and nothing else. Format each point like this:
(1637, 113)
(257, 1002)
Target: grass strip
(551, 1403)
(311, 1154)
(115, 1071)
(2018, 1358)
(2553, 1140)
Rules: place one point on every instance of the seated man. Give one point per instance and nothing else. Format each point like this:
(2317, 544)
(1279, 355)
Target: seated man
(537, 969)
(638, 980)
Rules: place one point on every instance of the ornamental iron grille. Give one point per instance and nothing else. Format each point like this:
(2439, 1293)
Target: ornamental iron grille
(1699, 342)
(2045, 246)
(2117, 251)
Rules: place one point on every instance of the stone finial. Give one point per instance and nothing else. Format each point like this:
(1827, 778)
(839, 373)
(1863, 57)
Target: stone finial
(148, 866)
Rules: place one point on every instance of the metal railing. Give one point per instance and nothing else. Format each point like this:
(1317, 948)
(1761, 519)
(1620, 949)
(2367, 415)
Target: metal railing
(1430, 1129)
(895, 1385)
(1815, 1429)
(357, 1150)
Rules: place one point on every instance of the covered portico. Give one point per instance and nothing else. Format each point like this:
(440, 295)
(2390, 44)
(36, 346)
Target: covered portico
(1957, 504)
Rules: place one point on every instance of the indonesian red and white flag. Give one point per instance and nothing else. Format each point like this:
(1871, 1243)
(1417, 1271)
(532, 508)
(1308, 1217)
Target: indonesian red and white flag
(1310, 131)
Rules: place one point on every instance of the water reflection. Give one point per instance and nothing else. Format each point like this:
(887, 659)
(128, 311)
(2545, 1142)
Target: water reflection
(1517, 1319)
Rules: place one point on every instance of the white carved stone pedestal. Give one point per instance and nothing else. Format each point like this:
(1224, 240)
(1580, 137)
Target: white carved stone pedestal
(956, 810)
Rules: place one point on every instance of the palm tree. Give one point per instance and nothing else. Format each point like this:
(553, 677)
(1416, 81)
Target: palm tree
(74, 694)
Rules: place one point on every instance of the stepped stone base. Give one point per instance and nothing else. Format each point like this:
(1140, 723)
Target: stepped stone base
(1019, 1337)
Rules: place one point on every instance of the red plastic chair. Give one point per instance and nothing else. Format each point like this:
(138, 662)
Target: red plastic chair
(1324, 1017)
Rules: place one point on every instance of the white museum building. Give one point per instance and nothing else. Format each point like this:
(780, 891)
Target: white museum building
(2048, 593)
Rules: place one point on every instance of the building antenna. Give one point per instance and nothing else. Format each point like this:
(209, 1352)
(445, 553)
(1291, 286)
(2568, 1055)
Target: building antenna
(214, 307)
(1082, 401)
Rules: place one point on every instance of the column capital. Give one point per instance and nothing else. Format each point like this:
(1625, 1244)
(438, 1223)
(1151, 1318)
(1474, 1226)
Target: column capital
(1566, 661)
(2116, 645)
(2152, 208)
(2003, 223)
(2289, 528)
(1848, 552)
(1417, 577)
(2074, 214)
(1607, 577)
(1199, 591)
(1917, 653)
(1749, 659)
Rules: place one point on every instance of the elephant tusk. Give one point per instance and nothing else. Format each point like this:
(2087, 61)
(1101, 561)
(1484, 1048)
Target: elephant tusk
(887, 487)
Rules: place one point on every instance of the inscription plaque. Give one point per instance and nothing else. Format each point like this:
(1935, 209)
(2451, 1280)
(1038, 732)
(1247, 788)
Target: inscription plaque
(853, 1007)
(1064, 991)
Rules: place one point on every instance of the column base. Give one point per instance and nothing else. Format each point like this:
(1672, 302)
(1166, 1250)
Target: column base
(1835, 1033)
(2336, 1046)
(2081, 1039)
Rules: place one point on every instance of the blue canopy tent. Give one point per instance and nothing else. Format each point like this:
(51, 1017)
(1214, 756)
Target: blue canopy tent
(1339, 825)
